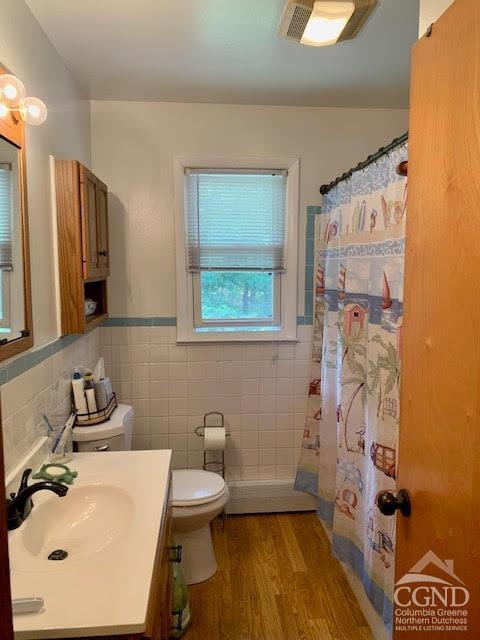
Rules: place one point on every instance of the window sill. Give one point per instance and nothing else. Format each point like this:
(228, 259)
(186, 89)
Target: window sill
(236, 336)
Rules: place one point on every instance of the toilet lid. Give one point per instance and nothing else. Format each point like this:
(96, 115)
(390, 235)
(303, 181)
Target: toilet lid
(193, 487)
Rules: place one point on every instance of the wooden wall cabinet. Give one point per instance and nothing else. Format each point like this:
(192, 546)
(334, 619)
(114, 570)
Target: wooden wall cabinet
(94, 220)
(83, 251)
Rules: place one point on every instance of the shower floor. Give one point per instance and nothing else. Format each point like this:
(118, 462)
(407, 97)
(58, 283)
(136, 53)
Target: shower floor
(276, 580)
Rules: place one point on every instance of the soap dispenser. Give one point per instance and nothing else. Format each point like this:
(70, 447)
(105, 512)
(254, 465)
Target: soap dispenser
(78, 387)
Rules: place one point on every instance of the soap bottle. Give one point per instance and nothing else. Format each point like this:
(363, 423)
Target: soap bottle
(90, 392)
(79, 399)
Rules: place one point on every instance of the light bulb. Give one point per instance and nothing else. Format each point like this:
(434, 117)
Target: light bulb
(12, 90)
(33, 110)
(4, 111)
(326, 23)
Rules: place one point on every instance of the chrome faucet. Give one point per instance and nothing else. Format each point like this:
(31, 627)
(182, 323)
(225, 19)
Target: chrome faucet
(20, 504)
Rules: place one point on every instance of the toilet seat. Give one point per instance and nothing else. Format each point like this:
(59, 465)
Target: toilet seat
(197, 498)
(192, 487)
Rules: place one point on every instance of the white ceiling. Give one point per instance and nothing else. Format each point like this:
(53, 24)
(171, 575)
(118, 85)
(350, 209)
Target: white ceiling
(226, 51)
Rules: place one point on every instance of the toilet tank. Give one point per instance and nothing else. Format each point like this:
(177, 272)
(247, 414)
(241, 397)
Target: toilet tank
(113, 435)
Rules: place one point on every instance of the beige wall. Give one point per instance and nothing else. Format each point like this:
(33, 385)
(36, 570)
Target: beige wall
(133, 146)
(430, 10)
(45, 388)
(26, 51)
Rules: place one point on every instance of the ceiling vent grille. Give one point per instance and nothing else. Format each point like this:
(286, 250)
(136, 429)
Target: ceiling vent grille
(294, 24)
(294, 19)
(297, 13)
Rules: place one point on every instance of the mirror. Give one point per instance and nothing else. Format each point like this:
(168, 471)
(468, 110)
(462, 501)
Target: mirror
(12, 308)
(16, 333)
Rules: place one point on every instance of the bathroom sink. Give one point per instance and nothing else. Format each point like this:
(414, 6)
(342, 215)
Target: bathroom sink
(83, 523)
(109, 524)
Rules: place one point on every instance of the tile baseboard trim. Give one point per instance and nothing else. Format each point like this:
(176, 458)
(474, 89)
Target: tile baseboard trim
(169, 321)
(25, 362)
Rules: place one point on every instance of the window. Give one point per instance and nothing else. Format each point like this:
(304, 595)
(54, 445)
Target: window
(225, 298)
(236, 237)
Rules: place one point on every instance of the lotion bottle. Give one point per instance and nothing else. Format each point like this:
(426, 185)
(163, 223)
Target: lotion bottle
(79, 399)
(90, 392)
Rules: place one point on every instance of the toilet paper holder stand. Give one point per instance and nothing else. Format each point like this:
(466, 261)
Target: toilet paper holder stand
(217, 466)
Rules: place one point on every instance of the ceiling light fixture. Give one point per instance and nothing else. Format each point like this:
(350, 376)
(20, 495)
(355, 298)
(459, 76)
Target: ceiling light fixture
(319, 23)
(13, 99)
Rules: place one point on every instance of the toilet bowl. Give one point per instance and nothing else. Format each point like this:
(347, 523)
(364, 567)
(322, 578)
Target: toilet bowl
(197, 498)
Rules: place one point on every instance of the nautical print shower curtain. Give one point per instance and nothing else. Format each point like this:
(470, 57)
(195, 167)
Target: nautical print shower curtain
(349, 450)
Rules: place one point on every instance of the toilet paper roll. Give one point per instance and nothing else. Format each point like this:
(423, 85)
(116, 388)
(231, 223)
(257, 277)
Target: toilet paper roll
(214, 439)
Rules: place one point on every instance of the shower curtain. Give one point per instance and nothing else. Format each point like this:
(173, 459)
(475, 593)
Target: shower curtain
(349, 449)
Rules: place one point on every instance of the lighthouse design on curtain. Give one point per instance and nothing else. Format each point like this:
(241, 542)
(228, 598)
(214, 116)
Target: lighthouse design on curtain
(349, 450)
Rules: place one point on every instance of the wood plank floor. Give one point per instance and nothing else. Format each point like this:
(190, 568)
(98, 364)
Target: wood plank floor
(277, 580)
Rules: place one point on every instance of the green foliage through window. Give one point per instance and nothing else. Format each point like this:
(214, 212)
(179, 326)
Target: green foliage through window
(236, 295)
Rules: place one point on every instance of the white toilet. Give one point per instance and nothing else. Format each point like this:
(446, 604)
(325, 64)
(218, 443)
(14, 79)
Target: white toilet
(113, 435)
(197, 496)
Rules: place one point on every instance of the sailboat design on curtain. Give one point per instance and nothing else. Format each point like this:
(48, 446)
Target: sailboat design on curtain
(386, 299)
(320, 282)
(342, 276)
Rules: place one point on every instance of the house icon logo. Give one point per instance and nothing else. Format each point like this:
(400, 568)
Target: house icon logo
(428, 593)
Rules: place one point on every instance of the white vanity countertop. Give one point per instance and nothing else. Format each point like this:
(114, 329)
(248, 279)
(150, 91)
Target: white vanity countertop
(106, 592)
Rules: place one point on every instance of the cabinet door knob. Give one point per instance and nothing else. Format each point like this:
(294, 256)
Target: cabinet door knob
(103, 253)
(388, 503)
(175, 553)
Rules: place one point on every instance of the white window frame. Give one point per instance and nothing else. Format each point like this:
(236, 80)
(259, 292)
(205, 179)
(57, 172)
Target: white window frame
(5, 293)
(186, 281)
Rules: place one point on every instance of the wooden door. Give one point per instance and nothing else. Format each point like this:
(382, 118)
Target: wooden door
(102, 225)
(89, 216)
(439, 455)
(6, 623)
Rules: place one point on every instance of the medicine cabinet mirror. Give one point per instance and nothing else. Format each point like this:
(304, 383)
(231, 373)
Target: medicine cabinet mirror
(16, 332)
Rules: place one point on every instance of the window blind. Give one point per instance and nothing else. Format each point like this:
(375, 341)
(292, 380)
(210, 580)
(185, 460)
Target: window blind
(6, 249)
(235, 220)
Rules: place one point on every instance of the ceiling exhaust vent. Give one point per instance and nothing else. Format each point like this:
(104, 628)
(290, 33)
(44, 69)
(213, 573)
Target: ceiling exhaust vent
(294, 19)
(331, 20)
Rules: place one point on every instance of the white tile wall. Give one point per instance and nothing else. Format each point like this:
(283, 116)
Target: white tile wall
(261, 389)
(43, 389)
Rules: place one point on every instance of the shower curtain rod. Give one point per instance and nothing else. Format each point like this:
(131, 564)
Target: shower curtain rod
(325, 188)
